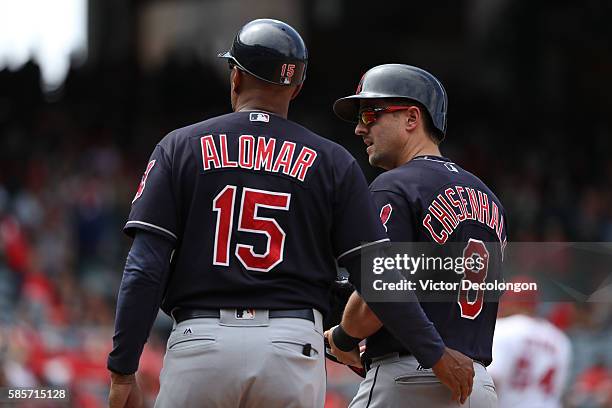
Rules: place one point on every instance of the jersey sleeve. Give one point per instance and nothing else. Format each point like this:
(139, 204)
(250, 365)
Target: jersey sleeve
(143, 284)
(395, 215)
(355, 224)
(153, 206)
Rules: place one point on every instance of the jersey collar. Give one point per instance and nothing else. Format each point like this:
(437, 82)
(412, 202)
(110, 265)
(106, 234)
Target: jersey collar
(432, 158)
(260, 110)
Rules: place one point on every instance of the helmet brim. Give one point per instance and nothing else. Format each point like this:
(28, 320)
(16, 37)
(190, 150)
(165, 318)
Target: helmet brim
(347, 108)
(228, 55)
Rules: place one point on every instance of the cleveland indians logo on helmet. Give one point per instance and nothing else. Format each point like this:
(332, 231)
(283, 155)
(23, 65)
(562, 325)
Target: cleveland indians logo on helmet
(360, 85)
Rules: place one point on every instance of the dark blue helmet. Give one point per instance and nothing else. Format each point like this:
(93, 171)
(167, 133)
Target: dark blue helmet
(398, 81)
(271, 51)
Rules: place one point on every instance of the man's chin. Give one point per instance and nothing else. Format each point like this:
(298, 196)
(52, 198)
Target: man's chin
(374, 161)
(377, 161)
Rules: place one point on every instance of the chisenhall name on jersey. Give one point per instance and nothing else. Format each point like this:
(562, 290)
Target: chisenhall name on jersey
(458, 204)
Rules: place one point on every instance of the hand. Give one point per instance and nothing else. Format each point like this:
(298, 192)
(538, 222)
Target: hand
(351, 358)
(456, 371)
(124, 392)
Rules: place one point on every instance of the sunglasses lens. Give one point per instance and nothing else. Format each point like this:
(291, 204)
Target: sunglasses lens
(367, 117)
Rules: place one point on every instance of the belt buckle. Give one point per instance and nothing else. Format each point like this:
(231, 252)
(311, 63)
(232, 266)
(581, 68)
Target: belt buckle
(245, 314)
(244, 317)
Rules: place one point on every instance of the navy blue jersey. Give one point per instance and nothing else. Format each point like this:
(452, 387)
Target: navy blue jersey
(431, 199)
(260, 210)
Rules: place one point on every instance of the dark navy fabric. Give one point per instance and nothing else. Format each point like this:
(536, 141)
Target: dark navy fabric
(260, 212)
(144, 279)
(319, 224)
(405, 199)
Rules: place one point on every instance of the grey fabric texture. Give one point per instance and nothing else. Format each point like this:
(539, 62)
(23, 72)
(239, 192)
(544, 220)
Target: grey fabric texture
(395, 381)
(238, 364)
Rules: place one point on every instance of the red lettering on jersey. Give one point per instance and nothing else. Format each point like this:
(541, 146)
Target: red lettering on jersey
(246, 145)
(264, 154)
(484, 207)
(455, 203)
(547, 382)
(500, 227)
(520, 374)
(284, 158)
(463, 202)
(471, 306)
(225, 161)
(442, 215)
(209, 152)
(542, 344)
(441, 238)
(449, 209)
(249, 221)
(475, 209)
(304, 161)
(494, 221)
(143, 181)
(385, 214)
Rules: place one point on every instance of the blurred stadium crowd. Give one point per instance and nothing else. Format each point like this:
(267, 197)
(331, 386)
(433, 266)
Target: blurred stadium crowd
(71, 162)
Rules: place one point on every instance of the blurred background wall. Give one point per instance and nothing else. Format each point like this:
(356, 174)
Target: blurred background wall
(87, 87)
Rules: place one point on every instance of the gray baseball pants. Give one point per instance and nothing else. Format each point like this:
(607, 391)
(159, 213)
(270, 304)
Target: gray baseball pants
(395, 381)
(230, 362)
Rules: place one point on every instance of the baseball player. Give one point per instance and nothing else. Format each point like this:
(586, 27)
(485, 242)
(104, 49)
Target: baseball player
(531, 357)
(423, 197)
(238, 224)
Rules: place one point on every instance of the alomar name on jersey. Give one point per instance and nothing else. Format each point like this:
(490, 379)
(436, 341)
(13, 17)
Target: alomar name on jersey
(459, 204)
(258, 153)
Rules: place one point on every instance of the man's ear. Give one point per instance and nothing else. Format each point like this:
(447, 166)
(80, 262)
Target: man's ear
(413, 117)
(296, 91)
(236, 80)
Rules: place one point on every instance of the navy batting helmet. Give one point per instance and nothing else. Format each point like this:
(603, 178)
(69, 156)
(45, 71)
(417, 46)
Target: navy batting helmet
(398, 81)
(271, 51)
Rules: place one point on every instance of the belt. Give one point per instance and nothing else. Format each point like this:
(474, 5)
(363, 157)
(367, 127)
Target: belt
(368, 362)
(180, 314)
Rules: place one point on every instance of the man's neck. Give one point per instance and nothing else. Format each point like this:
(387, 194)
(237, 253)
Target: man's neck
(425, 149)
(259, 105)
